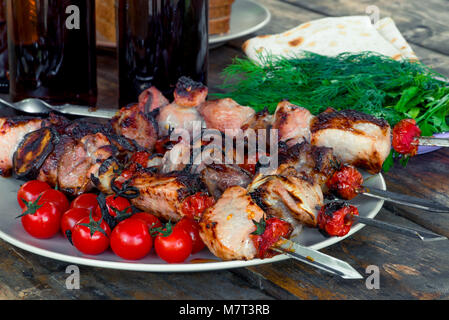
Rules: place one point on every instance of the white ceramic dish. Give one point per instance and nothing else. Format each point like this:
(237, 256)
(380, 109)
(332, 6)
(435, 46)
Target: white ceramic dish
(246, 17)
(59, 248)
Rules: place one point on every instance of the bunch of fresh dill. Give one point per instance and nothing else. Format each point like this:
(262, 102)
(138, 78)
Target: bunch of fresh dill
(366, 82)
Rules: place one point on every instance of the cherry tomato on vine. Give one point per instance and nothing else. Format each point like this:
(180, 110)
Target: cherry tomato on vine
(41, 219)
(57, 197)
(117, 206)
(131, 239)
(151, 220)
(193, 229)
(173, 245)
(91, 235)
(30, 191)
(86, 200)
(71, 217)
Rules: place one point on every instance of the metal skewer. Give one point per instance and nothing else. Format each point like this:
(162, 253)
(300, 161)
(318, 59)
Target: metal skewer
(403, 199)
(431, 141)
(316, 259)
(414, 233)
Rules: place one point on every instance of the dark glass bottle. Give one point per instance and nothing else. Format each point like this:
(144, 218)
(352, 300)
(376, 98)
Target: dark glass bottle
(4, 82)
(158, 42)
(52, 53)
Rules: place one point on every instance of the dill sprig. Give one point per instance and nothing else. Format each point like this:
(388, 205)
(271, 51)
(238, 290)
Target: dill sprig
(366, 82)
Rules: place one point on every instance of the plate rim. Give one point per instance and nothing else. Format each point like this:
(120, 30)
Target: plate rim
(184, 267)
(215, 39)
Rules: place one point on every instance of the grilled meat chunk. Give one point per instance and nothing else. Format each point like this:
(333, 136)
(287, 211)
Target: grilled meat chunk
(226, 227)
(136, 125)
(356, 138)
(163, 195)
(189, 93)
(174, 116)
(293, 123)
(12, 131)
(74, 161)
(219, 177)
(151, 99)
(318, 163)
(291, 197)
(225, 114)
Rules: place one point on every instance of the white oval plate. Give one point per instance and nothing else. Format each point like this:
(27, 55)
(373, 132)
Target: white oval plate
(59, 248)
(246, 17)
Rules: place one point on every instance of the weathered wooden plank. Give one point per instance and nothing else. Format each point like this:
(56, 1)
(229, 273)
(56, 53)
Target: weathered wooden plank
(408, 269)
(421, 23)
(24, 275)
(288, 15)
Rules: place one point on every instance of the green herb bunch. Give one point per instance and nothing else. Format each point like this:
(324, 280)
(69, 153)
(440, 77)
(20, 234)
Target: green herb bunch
(367, 82)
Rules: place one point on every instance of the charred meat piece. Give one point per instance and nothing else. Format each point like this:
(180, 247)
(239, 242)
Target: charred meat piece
(356, 138)
(226, 227)
(136, 125)
(33, 151)
(189, 93)
(225, 115)
(163, 195)
(74, 161)
(288, 197)
(293, 123)
(177, 158)
(151, 99)
(219, 177)
(12, 131)
(174, 116)
(318, 163)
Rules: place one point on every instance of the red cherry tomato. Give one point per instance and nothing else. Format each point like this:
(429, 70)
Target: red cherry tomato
(71, 217)
(117, 206)
(30, 191)
(193, 229)
(173, 245)
(57, 197)
(86, 200)
(41, 219)
(335, 218)
(151, 220)
(91, 235)
(272, 230)
(345, 182)
(193, 206)
(131, 239)
(406, 137)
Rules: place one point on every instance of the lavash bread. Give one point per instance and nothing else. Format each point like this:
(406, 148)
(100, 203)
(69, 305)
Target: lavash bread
(220, 16)
(332, 36)
(105, 20)
(387, 28)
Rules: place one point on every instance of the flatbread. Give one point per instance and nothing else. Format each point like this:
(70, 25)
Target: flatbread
(387, 29)
(332, 36)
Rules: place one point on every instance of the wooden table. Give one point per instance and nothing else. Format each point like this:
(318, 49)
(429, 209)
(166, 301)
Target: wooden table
(409, 269)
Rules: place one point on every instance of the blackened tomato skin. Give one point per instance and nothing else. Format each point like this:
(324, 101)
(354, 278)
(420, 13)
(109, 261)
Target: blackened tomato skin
(336, 222)
(194, 206)
(345, 182)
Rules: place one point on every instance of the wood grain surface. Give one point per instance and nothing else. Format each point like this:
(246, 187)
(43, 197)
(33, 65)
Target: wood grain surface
(409, 269)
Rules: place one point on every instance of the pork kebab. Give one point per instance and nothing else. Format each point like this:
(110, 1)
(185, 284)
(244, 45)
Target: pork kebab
(134, 155)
